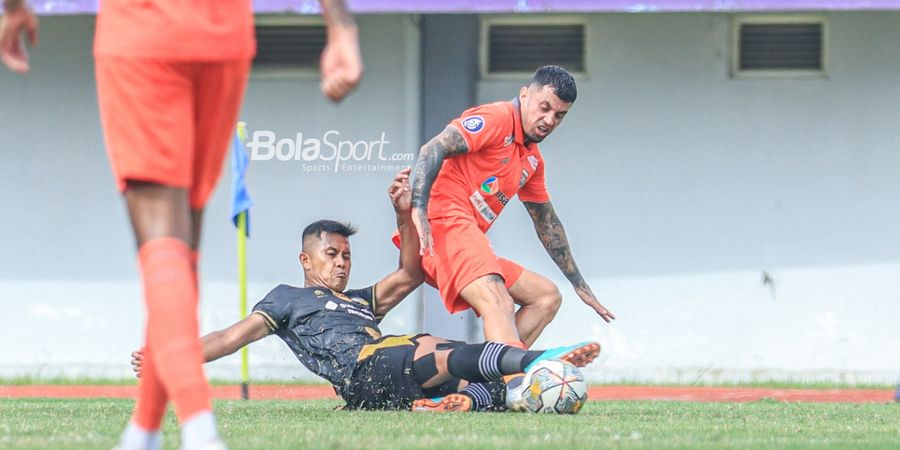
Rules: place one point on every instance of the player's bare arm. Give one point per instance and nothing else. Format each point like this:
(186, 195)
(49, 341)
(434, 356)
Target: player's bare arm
(448, 144)
(408, 276)
(223, 342)
(553, 236)
(17, 19)
(341, 62)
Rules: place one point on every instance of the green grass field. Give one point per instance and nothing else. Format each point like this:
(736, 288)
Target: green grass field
(95, 424)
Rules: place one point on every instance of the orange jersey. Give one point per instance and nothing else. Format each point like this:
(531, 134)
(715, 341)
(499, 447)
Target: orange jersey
(498, 166)
(196, 30)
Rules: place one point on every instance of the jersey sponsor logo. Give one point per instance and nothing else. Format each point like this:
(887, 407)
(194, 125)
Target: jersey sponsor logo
(490, 185)
(533, 161)
(509, 139)
(524, 177)
(473, 124)
(319, 293)
(504, 161)
(482, 207)
(501, 197)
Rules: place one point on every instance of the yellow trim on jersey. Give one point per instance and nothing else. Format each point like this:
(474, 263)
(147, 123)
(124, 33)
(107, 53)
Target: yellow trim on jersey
(388, 342)
(269, 321)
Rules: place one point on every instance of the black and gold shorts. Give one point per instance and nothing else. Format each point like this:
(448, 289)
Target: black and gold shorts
(384, 378)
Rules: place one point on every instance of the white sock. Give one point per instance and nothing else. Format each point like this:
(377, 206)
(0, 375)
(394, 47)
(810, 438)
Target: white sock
(198, 431)
(136, 438)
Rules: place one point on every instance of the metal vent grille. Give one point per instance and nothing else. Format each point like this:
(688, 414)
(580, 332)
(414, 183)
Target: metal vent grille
(524, 48)
(289, 46)
(783, 46)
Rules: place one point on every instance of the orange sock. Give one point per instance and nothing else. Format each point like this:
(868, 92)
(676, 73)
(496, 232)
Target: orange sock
(150, 407)
(170, 293)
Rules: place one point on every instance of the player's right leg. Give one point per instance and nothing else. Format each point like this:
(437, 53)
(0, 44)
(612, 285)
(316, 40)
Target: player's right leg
(489, 297)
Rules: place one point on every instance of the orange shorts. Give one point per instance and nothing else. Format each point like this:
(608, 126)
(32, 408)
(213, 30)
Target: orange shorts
(462, 254)
(169, 122)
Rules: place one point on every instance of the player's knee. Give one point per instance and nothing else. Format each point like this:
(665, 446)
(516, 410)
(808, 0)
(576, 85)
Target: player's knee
(550, 299)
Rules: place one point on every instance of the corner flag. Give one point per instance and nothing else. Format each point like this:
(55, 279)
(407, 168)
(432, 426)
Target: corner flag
(240, 198)
(240, 215)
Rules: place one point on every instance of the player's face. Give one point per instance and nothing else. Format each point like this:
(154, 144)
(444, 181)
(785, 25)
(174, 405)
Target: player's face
(326, 261)
(542, 111)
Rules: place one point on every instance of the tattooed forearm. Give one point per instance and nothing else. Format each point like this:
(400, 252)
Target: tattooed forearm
(552, 234)
(336, 13)
(431, 157)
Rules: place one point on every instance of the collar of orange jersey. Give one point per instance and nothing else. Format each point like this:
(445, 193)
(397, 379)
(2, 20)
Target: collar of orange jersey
(518, 127)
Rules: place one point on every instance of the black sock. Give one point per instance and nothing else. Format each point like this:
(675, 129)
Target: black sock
(477, 362)
(528, 358)
(488, 362)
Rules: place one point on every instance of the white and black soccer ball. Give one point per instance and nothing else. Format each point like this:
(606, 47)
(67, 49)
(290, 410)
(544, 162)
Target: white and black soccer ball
(554, 387)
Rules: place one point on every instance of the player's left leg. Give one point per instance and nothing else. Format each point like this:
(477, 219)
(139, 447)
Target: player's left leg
(438, 361)
(538, 298)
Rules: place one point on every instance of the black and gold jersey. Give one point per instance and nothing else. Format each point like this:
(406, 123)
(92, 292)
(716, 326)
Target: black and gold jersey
(325, 329)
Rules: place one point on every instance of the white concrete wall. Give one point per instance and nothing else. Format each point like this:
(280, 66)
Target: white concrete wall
(679, 187)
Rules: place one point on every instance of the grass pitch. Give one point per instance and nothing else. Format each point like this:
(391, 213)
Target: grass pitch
(96, 424)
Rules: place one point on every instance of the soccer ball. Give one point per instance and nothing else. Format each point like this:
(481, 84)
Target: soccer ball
(552, 386)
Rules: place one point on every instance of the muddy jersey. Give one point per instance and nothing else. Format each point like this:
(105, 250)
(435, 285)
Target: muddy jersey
(324, 329)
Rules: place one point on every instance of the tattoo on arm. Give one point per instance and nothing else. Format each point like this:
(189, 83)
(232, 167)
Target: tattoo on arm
(431, 157)
(336, 13)
(552, 234)
(494, 278)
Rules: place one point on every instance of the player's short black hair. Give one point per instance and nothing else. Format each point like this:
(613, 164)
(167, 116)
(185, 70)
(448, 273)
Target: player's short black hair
(559, 79)
(318, 227)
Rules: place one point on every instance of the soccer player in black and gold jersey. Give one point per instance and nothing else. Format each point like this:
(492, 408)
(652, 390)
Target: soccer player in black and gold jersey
(334, 331)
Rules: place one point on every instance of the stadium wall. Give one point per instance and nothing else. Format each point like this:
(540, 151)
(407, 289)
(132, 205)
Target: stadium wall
(740, 229)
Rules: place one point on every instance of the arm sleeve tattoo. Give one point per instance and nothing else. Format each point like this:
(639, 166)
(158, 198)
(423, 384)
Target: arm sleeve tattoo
(448, 144)
(552, 234)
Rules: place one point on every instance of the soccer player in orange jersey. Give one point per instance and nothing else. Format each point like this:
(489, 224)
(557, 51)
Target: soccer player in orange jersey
(171, 75)
(462, 180)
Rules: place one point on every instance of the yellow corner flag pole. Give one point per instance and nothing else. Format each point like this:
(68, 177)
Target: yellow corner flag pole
(242, 283)
(242, 278)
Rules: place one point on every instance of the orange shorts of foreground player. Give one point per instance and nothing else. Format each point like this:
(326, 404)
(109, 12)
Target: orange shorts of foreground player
(150, 112)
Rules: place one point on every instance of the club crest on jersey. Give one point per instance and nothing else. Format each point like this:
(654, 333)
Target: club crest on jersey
(490, 185)
(473, 124)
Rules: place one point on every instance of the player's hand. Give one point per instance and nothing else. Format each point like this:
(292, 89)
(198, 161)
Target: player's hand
(588, 298)
(342, 66)
(12, 25)
(137, 362)
(401, 193)
(426, 242)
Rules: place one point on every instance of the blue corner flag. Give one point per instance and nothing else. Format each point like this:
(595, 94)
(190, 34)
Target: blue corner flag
(240, 198)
